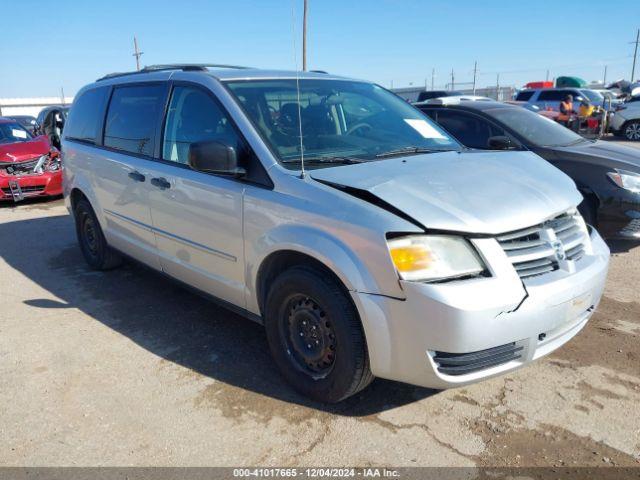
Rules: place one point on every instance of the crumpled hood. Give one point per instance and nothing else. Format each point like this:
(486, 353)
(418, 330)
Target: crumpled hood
(605, 153)
(474, 192)
(22, 151)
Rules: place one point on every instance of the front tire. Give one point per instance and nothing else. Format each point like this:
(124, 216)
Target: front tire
(95, 249)
(632, 131)
(315, 335)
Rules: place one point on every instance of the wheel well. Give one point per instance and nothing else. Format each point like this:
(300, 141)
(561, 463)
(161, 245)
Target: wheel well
(593, 201)
(278, 262)
(76, 196)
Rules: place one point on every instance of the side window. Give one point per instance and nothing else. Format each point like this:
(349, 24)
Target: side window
(552, 95)
(431, 113)
(85, 116)
(471, 131)
(195, 117)
(524, 96)
(132, 118)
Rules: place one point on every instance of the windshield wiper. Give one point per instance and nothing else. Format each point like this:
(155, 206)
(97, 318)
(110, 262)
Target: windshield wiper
(333, 159)
(570, 144)
(409, 151)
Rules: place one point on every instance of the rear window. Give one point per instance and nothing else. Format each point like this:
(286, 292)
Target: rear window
(524, 96)
(84, 118)
(132, 118)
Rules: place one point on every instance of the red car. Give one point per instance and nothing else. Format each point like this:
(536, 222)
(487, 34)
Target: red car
(29, 166)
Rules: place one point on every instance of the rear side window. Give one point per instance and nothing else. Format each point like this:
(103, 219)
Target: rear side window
(132, 118)
(431, 112)
(524, 96)
(85, 115)
(470, 130)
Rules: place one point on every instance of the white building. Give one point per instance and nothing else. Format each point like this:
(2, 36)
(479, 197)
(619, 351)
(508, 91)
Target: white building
(29, 106)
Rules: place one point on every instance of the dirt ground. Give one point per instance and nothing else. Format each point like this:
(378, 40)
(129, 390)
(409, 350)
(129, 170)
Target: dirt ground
(125, 368)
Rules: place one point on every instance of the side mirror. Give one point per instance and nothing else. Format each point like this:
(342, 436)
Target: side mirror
(500, 142)
(214, 157)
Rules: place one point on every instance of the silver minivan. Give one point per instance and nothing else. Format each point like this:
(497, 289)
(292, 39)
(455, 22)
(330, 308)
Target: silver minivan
(363, 237)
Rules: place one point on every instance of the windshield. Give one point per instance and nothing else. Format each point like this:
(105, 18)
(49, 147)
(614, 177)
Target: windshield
(594, 97)
(536, 129)
(341, 121)
(12, 133)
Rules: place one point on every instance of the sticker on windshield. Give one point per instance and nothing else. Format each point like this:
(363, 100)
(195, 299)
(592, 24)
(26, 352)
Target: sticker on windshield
(423, 128)
(19, 133)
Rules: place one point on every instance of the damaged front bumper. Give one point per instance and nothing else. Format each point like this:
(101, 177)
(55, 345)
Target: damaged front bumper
(18, 187)
(451, 334)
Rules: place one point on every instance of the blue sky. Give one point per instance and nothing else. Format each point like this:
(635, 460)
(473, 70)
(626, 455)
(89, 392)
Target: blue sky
(68, 43)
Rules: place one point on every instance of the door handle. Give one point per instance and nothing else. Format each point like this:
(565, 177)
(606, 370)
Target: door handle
(137, 176)
(161, 183)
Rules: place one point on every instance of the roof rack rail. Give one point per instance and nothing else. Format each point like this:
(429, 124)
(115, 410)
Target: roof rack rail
(186, 67)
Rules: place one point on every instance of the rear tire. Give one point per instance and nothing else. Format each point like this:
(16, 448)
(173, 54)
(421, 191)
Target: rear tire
(315, 335)
(632, 131)
(93, 245)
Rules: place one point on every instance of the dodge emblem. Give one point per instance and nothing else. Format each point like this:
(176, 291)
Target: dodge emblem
(559, 250)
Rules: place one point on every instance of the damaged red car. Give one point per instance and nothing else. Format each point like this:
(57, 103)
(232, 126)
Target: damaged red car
(29, 166)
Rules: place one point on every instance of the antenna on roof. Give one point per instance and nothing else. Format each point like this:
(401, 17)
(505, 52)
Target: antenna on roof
(295, 61)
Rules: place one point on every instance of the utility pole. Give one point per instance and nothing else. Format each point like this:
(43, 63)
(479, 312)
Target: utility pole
(453, 80)
(604, 77)
(304, 37)
(475, 71)
(62, 96)
(498, 87)
(136, 53)
(433, 77)
(635, 54)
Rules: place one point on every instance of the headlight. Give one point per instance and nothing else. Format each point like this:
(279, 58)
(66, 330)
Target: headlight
(434, 257)
(39, 168)
(627, 180)
(47, 163)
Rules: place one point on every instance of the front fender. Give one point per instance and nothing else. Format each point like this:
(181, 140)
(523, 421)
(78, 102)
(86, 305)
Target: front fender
(335, 254)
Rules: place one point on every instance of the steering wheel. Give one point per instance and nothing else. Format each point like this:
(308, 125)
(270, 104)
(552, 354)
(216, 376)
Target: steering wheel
(357, 127)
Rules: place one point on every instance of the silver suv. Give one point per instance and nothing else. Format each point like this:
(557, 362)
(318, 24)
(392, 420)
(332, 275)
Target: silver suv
(360, 234)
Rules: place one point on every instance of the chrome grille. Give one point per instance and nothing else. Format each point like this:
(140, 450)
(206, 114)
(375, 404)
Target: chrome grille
(542, 249)
(632, 229)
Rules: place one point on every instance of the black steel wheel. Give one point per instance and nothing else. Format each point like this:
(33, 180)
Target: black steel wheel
(315, 335)
(309, 336)
(93, 245)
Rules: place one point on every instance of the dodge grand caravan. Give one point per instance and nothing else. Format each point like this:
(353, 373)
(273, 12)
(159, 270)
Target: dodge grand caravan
(365, 239)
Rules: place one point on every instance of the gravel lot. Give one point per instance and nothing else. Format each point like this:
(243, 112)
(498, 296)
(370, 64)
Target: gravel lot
(125, 368)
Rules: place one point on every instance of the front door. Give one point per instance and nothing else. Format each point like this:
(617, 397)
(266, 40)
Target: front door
(197, 217)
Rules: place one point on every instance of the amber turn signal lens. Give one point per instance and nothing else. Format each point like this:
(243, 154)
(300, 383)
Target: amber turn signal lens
(411, 258)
